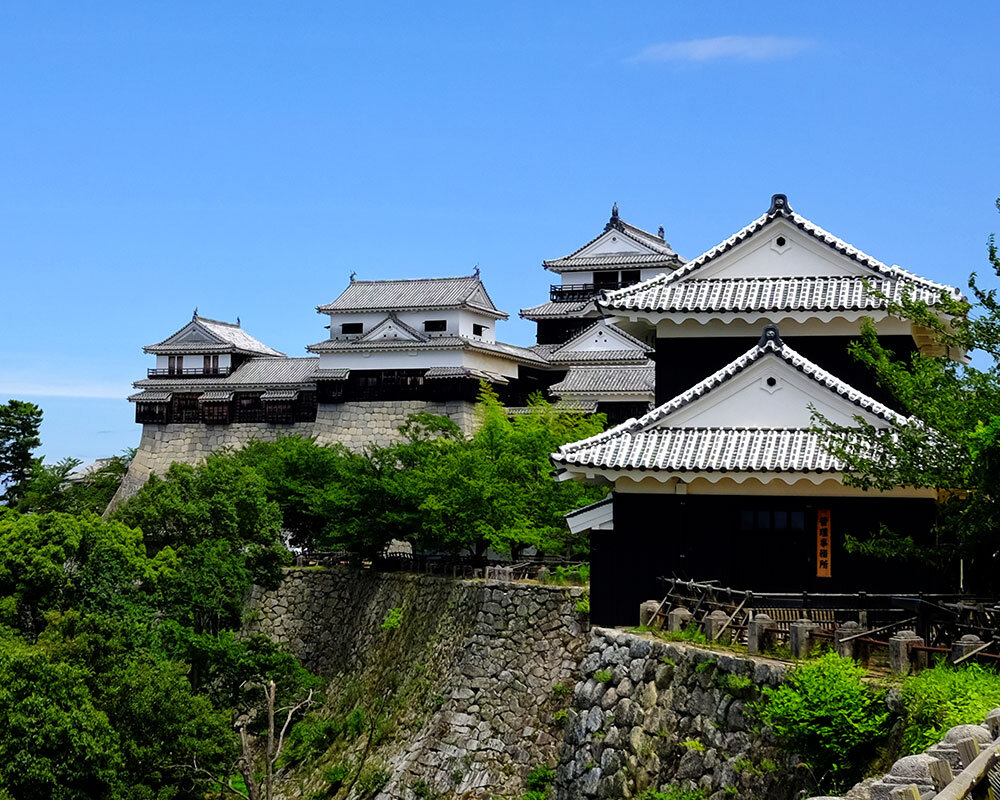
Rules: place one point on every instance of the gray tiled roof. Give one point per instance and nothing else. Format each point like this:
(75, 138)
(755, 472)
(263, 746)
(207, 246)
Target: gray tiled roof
(653, 435)
(708, 450)
(253, 374)
(151, 396)
(331, 374)
(501, 349)
(842, 293)
(602, 380)
(414, 295)
(216, 396)
(221, 337)
(279, 394)
(435, 373)
(780, 210)
(662, 253)
(583, 357)
(552, 310)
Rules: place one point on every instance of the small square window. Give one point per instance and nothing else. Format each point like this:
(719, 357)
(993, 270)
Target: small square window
(780, 520)
(478, 330)
(351, 327)
(746, 520)
(763, 520)
(435, 326)
(798, 519)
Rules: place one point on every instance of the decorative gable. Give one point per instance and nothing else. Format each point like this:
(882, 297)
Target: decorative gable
(769, 393)
(393, 329)
(195, 334)
(599, 337)
(612, 241)
(781, 250)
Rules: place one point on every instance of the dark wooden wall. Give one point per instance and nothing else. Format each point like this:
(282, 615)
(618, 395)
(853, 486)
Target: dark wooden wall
(706, 537)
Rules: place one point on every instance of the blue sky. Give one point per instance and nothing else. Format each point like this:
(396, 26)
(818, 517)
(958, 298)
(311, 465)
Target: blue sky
(245, 158)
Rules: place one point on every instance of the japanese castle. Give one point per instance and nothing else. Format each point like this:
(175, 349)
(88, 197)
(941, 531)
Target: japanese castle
(726, 479)
(710, 372)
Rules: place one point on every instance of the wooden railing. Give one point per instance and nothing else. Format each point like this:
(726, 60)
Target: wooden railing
(187, 371)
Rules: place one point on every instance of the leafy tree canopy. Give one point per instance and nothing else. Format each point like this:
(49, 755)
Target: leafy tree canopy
(19, 423)
(951, 439)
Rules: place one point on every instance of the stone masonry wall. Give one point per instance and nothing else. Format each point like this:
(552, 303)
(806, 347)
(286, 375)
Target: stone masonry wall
(654, 714)
(500, 659)
(351, 424)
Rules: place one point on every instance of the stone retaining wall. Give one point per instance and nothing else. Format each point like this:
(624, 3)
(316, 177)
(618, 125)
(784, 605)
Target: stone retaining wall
(499, 658)
(354, 425)
(654, 714)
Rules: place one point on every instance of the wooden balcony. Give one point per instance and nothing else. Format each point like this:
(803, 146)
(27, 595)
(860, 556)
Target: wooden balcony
(570, 292)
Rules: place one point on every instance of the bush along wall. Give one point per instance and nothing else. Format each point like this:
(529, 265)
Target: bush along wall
(652, 718)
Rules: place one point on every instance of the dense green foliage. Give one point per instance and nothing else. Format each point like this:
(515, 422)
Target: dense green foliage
(19, 423)
(48, 487)
(940, 698)
(440, 490)
(122, 670)
(827, 714)
(951, 440)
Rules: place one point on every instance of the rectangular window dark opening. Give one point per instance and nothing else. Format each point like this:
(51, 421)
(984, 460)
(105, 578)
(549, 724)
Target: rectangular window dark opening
(607, 279)
(351, 327)
(478, 330)
(630, 276)
(435, 325)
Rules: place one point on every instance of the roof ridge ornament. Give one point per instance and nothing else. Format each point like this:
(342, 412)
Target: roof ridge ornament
(354, 275)
(662, 233)
(194, 316)
(615, 221)
(770, 334)
(779, 205)
(475, 271)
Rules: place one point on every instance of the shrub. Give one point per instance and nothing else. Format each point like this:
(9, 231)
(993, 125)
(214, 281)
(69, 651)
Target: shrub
(561, 690)
(336, 775)
(539, 780)
(689, 633)
(583, 604)
(826, 714)
(392, 619)
(562, 576)
(672, 793)
(603, 676)
(693, 744)
(734, 684)
(940, 698)
(372, 779)
(560, 717)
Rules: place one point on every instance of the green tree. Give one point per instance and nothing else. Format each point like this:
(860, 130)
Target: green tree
(48, 488)
(55, 743)
(19, 423)
(494, 489)
(52, 562)
(950, 439)
(225, 532)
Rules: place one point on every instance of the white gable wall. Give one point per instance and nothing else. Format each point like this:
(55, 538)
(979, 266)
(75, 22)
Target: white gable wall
(600, 338)
(613, 241)
(747, 401)
(760, 256)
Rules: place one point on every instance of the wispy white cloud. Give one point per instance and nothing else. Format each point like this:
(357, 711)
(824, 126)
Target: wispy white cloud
(26, 389)
(733, 48)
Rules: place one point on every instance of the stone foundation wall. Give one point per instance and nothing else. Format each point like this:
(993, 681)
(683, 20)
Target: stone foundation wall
(354, 425)
(499, 660)
(649, 713)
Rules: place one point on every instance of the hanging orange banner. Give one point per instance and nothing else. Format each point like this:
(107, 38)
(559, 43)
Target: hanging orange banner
(823, 543)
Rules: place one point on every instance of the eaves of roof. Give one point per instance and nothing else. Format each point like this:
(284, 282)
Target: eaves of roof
(500, 349)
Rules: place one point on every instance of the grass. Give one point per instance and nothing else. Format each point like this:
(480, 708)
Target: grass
(603, 676)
